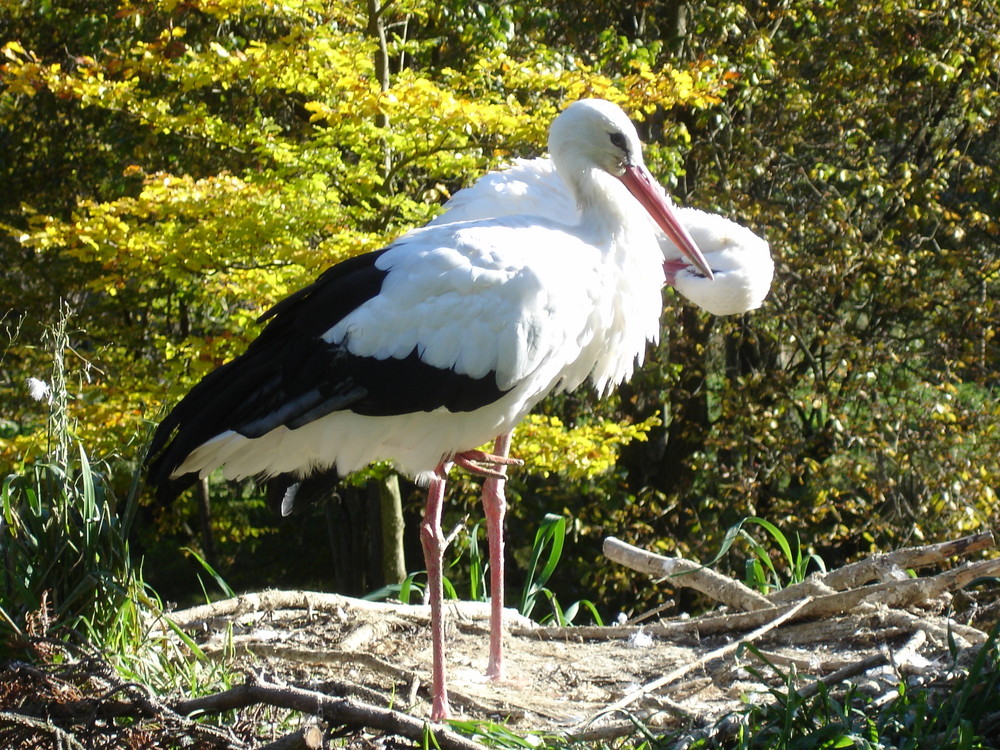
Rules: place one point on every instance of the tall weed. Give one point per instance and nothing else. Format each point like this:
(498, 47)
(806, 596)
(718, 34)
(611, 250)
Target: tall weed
(63, 543)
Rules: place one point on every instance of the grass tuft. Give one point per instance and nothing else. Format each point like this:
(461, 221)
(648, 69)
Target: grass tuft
(63, 544)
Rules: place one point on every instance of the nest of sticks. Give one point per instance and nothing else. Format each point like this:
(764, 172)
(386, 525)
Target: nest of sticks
(340, 665)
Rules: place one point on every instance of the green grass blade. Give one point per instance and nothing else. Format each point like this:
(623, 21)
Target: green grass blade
(551, 537)
(219, 580)
(477, 570)
(408, 586)
(385, 592)
(589, 606)
(449, 589)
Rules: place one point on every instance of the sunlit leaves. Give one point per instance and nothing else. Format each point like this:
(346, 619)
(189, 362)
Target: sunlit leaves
(577, 453)
(856, 403)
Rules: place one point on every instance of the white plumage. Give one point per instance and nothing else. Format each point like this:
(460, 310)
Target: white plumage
(741, 260)
(421, 352)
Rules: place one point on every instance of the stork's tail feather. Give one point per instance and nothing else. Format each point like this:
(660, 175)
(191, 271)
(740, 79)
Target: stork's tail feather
(288, 494)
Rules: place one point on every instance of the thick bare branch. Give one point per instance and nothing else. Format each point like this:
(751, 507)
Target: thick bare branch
(314, 601)
(306, 738)
(686, 573)
(882, 567)
(341, 711)
(896, 594)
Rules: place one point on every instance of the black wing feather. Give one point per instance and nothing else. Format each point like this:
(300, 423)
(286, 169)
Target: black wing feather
(289, 376)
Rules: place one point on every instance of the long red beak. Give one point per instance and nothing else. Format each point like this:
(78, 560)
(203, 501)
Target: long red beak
(640, 183)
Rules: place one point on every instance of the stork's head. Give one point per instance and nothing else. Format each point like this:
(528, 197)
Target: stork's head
(594, 134)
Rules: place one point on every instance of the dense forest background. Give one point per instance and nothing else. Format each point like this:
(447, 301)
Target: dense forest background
(171, 169)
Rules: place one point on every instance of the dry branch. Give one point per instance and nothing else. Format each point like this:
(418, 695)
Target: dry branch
(909, 591)
(339, 711)
(269, 601)
(342, 606)
(364, 633)
(813, 586)
(306, 738)
(686, 573)
(327, 657)
(692, 630)
(617, 729)
(863, 628)
(893, 594)
(800, 664)
(62, 738)
(886, 567)
(963, 635)
(867, 570)
(908, 655)
(667, 604)
(851, 670)
(844, 672)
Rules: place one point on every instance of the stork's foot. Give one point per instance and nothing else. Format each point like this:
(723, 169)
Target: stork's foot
(485, 464)
(440, 710)
(496, 672)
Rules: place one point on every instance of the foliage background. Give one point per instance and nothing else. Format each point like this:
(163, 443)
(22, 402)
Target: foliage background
(171, 169)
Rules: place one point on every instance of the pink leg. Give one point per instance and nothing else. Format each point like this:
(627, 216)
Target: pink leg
(495, 507)
(432, 540)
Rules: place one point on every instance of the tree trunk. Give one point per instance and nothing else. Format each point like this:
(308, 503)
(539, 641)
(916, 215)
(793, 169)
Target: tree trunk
(205, 520)
(376, 30)
(391, 505)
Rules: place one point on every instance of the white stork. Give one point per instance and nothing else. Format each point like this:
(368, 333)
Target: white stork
(420, 352)
(740, 260)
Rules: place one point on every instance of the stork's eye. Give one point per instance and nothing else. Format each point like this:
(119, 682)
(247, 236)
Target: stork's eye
(618, 141)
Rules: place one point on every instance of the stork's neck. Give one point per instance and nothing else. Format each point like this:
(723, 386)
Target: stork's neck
(608, 213)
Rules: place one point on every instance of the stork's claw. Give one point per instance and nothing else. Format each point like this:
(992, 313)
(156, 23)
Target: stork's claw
(481, 463)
